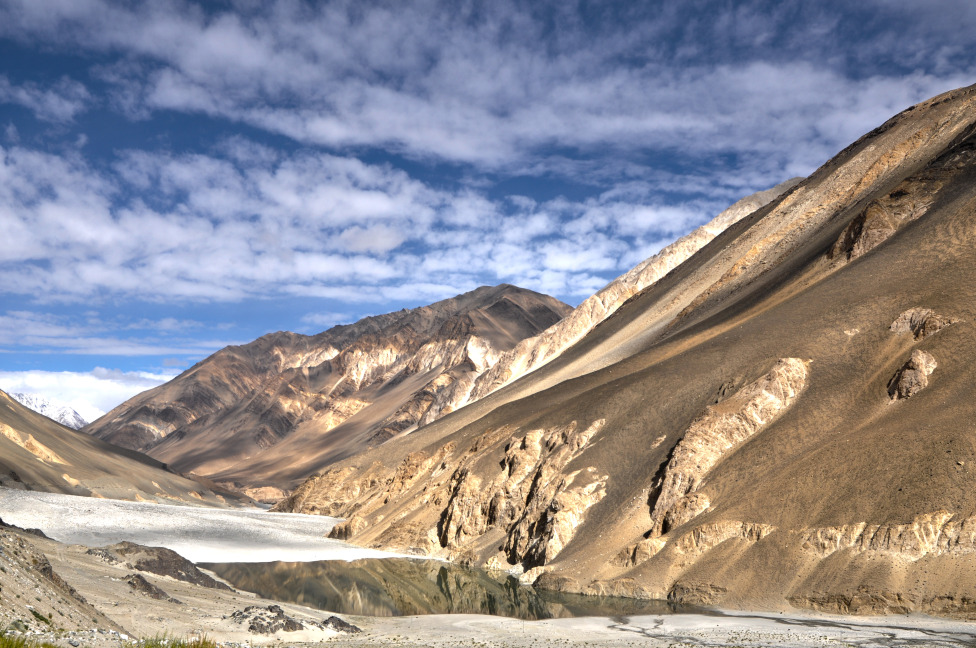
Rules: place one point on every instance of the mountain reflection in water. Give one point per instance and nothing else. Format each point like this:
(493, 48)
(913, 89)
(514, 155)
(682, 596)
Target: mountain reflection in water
(402, 587)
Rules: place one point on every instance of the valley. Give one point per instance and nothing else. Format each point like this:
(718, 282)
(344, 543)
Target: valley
(772, 413)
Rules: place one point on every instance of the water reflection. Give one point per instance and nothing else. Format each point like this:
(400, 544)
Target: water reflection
(397, 587)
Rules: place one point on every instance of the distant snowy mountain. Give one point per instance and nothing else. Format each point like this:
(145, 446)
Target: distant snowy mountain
(53, 410)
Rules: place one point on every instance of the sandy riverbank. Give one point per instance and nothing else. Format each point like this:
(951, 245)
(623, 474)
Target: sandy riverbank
(196, 533)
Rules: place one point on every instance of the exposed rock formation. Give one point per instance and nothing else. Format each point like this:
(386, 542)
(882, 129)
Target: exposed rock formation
(748, 452)
(719, 430)
(267, 620)
(139, 583)
(913, 377)
(274, 411)
(920, 322)
(157, 560)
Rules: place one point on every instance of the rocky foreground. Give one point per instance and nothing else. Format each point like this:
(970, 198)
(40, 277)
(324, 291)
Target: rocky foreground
(113, 597)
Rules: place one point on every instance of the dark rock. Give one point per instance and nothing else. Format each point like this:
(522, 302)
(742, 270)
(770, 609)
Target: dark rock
(159, 560)
(338, 625)
(267, 620)
(141, 585)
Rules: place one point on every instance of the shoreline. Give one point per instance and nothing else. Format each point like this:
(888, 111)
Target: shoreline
(192, 610)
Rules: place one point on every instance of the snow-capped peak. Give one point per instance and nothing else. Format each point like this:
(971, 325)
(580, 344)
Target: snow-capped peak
(59, 412)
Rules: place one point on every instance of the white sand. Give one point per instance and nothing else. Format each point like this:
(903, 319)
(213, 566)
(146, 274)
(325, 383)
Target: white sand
(197, 534)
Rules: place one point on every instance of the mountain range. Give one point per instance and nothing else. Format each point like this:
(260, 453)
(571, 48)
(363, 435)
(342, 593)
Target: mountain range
(37, 453)
(265, 415)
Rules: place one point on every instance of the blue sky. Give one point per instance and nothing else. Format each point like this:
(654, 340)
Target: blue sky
(178, 176)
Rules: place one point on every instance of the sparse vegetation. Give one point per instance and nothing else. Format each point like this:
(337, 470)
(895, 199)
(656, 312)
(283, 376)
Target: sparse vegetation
(10, 641)
(40, 617)
(20, 641)
(164, 641)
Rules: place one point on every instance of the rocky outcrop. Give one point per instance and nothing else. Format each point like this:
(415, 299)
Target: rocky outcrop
(157, 560)
(717, 432)
(913, 376)
(938, 533)
(272, 412)
(538, 505)
(267, 620)
(920, 323)
(139, 584)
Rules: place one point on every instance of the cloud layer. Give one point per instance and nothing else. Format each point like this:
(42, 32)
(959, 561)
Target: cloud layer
(91, 394)
(355, 157)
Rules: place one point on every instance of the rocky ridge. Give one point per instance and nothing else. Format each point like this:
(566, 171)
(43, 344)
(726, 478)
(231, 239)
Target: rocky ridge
(782, 419)
(271, 412)
(534, 352)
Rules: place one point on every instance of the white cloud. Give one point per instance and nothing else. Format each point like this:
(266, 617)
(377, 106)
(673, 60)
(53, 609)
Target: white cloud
(91, 394)
(496, 87)
(300, 224)
(77, 336)
(61, 102)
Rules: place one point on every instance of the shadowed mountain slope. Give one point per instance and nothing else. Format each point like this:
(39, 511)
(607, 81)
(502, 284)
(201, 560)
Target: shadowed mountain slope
(269, 413)
(785, 418)
(37, 453)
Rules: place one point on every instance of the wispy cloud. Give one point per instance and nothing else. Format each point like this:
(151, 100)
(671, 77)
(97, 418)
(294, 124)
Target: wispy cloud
(220, 229)
(48, 333)
(59, 102)
(497, 84)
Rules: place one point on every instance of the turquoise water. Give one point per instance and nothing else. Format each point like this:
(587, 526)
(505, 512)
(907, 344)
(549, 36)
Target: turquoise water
(406, 587)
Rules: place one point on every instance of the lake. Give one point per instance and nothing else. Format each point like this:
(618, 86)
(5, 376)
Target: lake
(407, 587)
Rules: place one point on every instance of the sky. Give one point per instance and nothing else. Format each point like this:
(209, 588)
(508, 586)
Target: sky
(178, 176)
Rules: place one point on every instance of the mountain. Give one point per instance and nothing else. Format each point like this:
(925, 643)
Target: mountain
(267, 414)
(37, 453)
(532, 353)
(59, 412)
(784, 419)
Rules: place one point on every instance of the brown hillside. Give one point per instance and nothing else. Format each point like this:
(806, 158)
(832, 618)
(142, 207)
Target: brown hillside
(784, 419)
(37, 453)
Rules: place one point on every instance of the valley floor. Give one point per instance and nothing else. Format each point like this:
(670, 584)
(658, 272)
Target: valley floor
(119, 612)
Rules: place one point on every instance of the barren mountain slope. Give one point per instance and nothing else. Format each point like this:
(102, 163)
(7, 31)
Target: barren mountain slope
(784, 419)
(37, 453)
(269, 413)
(534, 352)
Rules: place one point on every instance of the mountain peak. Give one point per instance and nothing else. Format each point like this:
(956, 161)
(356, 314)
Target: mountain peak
(54, 410)
(258, 414)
